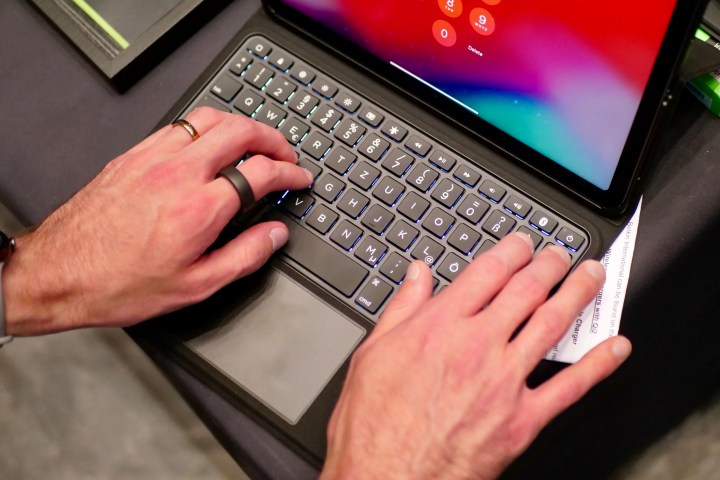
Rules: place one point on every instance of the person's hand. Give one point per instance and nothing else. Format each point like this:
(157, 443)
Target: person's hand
(438, 390)
(131, 245)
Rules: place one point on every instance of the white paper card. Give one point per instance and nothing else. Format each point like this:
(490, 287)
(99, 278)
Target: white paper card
(600, 320)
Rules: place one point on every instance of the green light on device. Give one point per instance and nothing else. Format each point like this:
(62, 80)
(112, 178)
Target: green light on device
(102, 23)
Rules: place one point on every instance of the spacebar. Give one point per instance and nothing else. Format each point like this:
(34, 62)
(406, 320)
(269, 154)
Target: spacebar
(322, 259)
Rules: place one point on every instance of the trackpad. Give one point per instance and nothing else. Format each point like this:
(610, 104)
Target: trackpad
(283, 347)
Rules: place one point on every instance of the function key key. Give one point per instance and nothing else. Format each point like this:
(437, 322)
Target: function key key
(473, 209)
(240, 63)
(570, 239)
(492, 190)
(294, 130)
(394, 130)
(374, 295)
(544, 223)
(258, 75)
(447, 192)
(499, 224)
(260, 47)
(536, 239)
(325, 87)
(371, 117)
(302, 74)
(517, 206)
(417, 145)
(442, 160)
(347, 102)
(303, 103)
(281, 60)
(226, 88)
(374, 147)
(467, 175)
(422, 177)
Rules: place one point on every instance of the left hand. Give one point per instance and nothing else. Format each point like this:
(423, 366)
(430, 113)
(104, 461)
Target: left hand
(131, 244)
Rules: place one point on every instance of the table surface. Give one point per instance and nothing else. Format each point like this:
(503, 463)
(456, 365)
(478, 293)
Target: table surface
(62, 122)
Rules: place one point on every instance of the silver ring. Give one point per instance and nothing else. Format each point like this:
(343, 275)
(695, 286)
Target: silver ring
(188, 128)
(242, 187)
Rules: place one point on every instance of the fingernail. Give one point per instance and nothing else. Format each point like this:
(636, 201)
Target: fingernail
(278, 237)
(561, 252)
(526, 238)
(621, 348)
(595, 270)
(413, 271)
(309, 176)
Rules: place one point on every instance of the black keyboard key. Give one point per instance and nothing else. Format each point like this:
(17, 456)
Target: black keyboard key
(349, 132)
(402, 235)
(377, 219)
(398, 162)
(240, 63)
(316, 145)
(373, 295)
(206, 101)
(364, 175)
(428, 251)
(371, 117)
(321, 259)
(467, 175)
(346, 235)
(260, 47)
(438, 222)
(388, 191)
(544, 223)
(302, 74)
(492, 190)
(353, 203)
(422, 177)
(413, 206)
(417, 145)
(442, 160)
(464, 238)
(311, 166)
(486, 245)
(248, 102)
(536, 238)
(258, 75)
(281, 60)
(321, 219)
(517, 206)
(271, 115)
(395, 267)
(374, 147)
(280, 89)
(298, 203)
(370, 251)
(328, 187)
(326, 117)
(394, 130)
(325, 87)
(473, 209)
(570, 239)
(347, 102)
(447, 192)
(340, 160)
(294, 130)
(499, 224)
(226, 88)
(451, 267)
(303, 103)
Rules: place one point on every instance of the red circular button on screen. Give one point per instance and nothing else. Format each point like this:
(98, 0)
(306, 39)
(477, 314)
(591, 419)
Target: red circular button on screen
(444, 33)
(482, 21)
(451, 8)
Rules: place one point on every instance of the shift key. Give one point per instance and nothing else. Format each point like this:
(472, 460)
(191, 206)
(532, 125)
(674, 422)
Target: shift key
(322, 259)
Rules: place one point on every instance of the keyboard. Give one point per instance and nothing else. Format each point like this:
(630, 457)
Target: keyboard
(385, 193)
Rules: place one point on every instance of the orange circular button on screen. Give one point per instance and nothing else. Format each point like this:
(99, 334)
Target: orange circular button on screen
(492, 2)
(444, 33)
(451, 8)
(482, 21)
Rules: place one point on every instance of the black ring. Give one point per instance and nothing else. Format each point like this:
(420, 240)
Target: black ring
(243, 188)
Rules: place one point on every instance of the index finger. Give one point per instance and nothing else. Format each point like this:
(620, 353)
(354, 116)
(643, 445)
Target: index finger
(225, 143)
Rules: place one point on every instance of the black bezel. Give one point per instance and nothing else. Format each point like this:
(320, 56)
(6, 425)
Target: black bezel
(641, 140)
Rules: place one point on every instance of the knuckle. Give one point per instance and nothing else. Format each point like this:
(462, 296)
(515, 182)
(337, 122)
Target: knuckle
(205, 114)
(494, 265)
(519, 433)
(534, 287)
